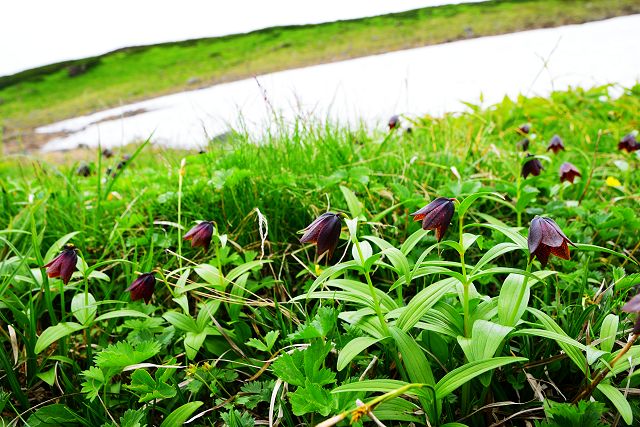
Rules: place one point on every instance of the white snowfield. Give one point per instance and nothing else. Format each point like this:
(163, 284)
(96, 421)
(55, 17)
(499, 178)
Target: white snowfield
(430, 80)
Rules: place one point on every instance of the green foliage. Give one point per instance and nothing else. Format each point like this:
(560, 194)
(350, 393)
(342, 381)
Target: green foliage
(131, 418)
(53, 416)
(181, 414)
(304, 369)
(234, 418)
(584, 414)
(413, 327)
(152, 388)
(318, 327)
(255, 393)
(117, 356)
(266, 345)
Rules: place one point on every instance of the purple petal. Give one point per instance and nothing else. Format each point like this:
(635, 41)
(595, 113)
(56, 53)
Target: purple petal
(535, 234)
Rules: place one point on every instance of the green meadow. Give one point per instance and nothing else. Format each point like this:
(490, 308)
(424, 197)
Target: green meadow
(256, 328)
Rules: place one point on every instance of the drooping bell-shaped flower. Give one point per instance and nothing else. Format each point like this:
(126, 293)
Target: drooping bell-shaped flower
(142, 287)
(545, 239)
(555, 144)
(83, 170)
(524, 128)
(568, 172)
(524, 144)
(200, 235)
(64, 264)
(394, 122)
(633, 306)
(531, 167)
(324, 231)
(436, 216)
(629, 143)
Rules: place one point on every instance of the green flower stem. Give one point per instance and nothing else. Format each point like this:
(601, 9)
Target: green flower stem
(219, 262)
(376, 302)
(518, 192)
(523, 289)
(164, 280)
(86, 304)
(181, 174)
(465, 283)
(45, 280)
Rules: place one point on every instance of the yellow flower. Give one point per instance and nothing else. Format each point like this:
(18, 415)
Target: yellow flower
(318, 270)
(613, 182)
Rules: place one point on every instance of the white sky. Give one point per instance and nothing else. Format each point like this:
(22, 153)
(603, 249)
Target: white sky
(39, 32)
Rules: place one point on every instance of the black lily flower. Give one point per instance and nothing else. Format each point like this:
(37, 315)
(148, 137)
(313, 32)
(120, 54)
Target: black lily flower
(525, 128)
(436, 216)
(633, 306)
(200, 235)
(324, 232)
(142, 287)
(555, 144)
(83, 170)
(64, 264)
(394, 122)
(533, 167)
(629, 143)
(123, 162)
(546, 238)
(524, 144)
(568, 172)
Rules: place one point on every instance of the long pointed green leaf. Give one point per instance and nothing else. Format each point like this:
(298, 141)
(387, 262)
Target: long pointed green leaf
(54, 333)
(423, 301)
(354, 348)
(466, 373)
(382, 386)
(418, 367)
(574, 354)
(181, 414)
(618, 400)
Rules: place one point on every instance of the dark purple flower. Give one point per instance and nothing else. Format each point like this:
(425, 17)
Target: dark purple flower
(436, 216)
(524, 144)
(324, 232)
(64, 264)
(83, 170)
(200, 235)
(525, 128)
(545, 239)
(123, 163)
(142, 287)
(107, 153)
(633, 306)
(568, 172)
(555, 144)
(394, 122)
(533, 167)
(629, 143)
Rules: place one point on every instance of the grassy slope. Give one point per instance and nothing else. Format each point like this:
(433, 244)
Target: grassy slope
(293, 179)
(292, 176)
(47, 94)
